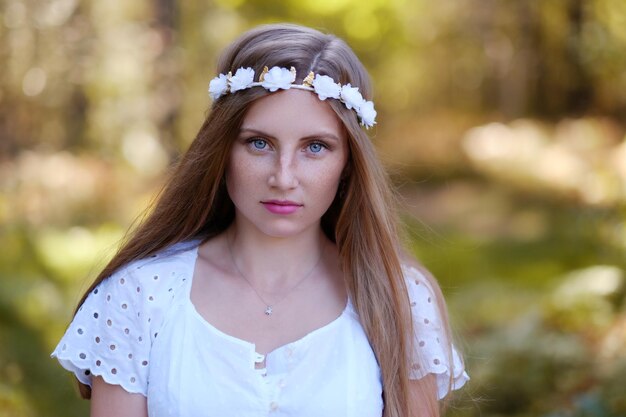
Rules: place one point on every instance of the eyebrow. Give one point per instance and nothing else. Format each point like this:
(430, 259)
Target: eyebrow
(327, 135)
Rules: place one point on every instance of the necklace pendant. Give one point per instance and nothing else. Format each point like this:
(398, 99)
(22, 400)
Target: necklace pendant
(268, 311)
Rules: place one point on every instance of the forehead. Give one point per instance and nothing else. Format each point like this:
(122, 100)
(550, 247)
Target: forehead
(293, 113)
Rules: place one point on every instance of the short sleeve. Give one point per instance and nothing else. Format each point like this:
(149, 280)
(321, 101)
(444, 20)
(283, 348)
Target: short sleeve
(108, 336)
(432, 352)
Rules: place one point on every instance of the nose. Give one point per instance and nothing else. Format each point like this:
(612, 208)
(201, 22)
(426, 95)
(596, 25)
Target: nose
(283, 175)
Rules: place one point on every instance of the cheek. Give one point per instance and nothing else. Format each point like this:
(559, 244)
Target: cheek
(327, 180)
(243, 166)
(238, 176)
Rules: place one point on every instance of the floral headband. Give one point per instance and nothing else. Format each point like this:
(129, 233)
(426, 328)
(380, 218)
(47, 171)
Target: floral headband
(282, 78)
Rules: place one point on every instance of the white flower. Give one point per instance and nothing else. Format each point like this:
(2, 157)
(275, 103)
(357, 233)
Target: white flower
(351, 97)
(241, 80)
(367, 114)
(218, 86)
(326, 87)
(277, 78)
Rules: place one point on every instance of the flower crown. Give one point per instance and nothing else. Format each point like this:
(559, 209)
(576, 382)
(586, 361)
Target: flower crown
(277, 78)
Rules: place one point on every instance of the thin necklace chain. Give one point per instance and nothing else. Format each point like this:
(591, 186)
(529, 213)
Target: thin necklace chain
(269, 306)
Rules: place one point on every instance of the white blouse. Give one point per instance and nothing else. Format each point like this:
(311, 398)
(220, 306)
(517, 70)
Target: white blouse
(138, 329)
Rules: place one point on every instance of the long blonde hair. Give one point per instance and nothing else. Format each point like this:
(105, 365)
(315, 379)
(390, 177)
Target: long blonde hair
(195, 204)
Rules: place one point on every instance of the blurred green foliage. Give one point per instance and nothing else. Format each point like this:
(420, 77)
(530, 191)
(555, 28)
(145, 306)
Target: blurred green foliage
(502, 124)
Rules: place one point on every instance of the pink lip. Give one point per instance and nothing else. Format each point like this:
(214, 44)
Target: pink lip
(281, 206)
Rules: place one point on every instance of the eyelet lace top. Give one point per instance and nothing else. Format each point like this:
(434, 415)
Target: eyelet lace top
(138, 329)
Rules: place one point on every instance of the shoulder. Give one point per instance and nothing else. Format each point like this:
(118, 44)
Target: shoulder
(157, 273)
(426, 301)
(420, 283)
(112, 333)
(174, 258)
(417, 274)
(433, 351)
(142, 292)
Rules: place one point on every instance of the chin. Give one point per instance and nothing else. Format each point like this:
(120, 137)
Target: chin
(282, 232)
(285, 230)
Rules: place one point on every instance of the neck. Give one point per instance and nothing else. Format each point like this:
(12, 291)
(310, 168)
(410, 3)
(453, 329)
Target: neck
(273, 263)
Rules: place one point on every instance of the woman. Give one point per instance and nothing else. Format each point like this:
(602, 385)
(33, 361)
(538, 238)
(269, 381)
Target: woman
(268, 278)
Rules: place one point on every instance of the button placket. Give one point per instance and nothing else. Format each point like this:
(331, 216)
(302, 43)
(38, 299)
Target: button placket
(273, 406)
(259, 360)
(273, 384)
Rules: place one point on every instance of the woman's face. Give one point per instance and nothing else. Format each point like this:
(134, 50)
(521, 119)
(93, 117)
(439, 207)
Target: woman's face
(286, 163)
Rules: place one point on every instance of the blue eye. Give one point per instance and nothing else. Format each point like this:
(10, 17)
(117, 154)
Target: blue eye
(316, 147)
(259, 144)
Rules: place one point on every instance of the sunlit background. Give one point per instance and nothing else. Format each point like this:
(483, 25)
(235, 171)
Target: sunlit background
(502, 122)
